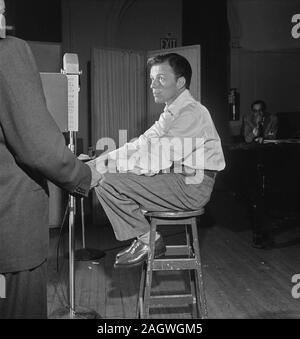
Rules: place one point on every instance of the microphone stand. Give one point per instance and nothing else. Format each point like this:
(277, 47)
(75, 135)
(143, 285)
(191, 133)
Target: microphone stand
(71, 69)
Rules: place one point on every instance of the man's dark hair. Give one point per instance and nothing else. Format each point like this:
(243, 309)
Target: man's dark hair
(259, 102)
(181, 67)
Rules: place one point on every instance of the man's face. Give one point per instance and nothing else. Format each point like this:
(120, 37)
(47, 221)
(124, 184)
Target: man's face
(258, 113)
(2, 20)
(164, 85)
(257, 110)
(2, 6)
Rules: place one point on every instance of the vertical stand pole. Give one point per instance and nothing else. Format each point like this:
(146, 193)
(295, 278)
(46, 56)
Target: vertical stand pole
(72, 212)
(71, 258)
(82, 223)
(71, 69)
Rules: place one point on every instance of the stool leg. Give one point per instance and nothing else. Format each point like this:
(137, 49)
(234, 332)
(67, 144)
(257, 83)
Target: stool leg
(140, 304)
(149, 273)
(188, 239)
(191, 273)
(201, 300)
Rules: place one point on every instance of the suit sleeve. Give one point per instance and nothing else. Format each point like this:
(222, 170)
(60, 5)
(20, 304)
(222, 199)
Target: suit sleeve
(30, 131)
(248, 130)
(272, 127)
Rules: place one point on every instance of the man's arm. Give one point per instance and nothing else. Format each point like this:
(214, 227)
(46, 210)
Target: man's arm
(250, 131)
(30, 131)
(272, 127)
(157, 130)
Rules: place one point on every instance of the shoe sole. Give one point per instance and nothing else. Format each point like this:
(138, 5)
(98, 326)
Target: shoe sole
(158, 255)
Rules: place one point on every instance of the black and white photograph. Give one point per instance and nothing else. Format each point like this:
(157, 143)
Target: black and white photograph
(150, 163)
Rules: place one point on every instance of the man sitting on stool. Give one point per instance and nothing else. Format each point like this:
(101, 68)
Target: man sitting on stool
(177, 181)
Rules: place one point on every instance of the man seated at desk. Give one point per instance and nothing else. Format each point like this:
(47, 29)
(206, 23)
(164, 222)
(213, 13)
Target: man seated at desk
(258, 124)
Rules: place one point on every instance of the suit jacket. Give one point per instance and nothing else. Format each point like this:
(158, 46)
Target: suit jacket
(32, 150)
(269, 127)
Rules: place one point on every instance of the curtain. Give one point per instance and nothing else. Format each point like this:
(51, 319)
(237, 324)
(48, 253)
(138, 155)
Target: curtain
(118, 95)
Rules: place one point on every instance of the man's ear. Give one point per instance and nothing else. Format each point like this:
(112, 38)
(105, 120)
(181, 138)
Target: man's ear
(180, 82)
(2, 27)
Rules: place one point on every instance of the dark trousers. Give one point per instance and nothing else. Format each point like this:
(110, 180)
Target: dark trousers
(26, 294)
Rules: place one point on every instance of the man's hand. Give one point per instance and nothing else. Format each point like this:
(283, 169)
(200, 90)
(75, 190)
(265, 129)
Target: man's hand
(96, 176)
(258, 119)
(255, 131)
(259, 140)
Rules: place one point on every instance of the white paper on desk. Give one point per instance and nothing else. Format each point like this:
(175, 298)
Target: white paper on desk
(273, 141)
(282, 141)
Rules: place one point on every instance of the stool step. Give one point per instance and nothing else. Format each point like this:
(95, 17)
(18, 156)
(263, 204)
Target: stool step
(178, 257)
(171, 300)
(178, 250)
(174, 264)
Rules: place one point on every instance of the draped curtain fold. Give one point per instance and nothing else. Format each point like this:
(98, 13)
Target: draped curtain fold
(118, 94)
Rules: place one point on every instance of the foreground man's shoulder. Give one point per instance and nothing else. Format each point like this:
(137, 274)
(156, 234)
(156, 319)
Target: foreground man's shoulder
(11, 47)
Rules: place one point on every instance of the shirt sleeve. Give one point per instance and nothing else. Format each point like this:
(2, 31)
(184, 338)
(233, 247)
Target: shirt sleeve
(157, 130)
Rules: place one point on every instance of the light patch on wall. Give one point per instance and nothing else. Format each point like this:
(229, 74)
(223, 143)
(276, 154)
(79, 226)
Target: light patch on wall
(2, 287)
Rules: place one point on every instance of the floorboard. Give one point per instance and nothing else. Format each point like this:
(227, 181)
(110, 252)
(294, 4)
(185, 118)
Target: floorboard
(240, 281)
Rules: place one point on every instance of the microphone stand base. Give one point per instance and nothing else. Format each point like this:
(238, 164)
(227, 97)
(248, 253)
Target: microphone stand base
(80, 313)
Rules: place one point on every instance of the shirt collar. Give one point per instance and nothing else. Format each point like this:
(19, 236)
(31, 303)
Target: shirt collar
(179, 102)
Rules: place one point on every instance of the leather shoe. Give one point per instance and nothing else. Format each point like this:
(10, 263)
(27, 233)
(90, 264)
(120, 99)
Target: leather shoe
(126, 250)
(138, 254)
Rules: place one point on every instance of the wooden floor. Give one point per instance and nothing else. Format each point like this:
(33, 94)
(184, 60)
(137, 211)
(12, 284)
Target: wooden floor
(240, 281)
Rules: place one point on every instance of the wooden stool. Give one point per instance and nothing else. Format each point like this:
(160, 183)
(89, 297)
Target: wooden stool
(187, 258)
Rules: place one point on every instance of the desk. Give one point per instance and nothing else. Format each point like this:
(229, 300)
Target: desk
(267, 176)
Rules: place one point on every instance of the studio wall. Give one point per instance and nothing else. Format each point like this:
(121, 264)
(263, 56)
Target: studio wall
(205, 23)
(128, 24)
(265, 57)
